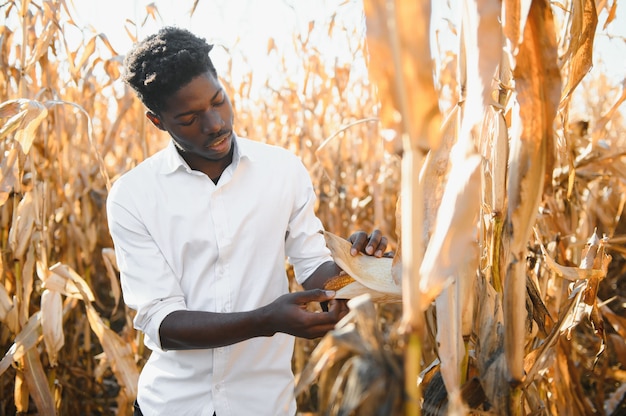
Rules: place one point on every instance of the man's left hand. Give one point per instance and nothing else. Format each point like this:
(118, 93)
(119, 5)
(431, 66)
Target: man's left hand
(373, 244)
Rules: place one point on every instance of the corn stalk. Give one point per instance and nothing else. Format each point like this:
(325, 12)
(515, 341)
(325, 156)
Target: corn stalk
(406, 88)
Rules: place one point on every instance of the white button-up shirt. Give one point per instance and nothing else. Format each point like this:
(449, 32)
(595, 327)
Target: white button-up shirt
(185, 243)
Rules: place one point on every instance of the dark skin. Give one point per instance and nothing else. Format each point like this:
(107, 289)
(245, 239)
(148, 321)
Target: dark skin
(199, 118)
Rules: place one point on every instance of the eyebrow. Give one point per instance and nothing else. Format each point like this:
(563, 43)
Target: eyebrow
(186, 113)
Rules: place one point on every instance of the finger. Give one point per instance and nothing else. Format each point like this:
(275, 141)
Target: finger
(380, 250)
(377, 244)
(339, 307)
(374, 242)
(314, 295)
(358, 240)
(324, 322)
(319, 331)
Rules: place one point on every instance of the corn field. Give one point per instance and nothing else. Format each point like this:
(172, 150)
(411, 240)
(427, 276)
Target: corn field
(496, 169)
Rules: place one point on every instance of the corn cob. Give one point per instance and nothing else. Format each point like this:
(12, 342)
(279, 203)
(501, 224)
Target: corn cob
(338, 282)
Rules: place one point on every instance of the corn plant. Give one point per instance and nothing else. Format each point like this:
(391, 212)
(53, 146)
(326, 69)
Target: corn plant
(502, 254)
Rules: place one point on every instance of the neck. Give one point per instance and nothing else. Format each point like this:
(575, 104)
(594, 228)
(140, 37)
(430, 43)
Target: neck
(212, 168)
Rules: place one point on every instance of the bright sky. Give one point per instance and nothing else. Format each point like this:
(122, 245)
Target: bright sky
(244, 26)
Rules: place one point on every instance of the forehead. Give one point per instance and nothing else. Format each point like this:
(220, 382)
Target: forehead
(199, 91)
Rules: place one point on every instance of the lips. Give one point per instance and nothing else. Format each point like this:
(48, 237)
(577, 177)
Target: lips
(219, 141)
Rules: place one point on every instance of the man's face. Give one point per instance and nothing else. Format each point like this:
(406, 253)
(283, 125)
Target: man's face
(199, 117)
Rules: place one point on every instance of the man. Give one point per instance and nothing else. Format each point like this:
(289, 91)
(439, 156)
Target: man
(201, 233)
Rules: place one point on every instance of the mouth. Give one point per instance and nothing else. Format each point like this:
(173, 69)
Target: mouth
(219, 141)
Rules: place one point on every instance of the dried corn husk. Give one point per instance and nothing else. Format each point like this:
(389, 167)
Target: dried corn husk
(455, 235)
(52, 323)
(372, 274)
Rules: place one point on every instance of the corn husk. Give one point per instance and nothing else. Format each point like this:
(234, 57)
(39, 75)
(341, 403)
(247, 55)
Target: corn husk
(372, 275)
(52, 324)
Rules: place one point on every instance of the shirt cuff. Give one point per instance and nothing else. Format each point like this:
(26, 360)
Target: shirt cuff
(149, 319)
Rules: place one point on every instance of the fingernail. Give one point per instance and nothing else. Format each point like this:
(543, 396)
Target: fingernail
(353, 251)
(369, 249)
(330, 293)
(379, 253)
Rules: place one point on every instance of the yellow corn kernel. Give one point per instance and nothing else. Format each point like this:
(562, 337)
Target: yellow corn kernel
(338, 282)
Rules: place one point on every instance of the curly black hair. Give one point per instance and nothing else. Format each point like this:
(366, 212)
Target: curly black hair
(164, 62)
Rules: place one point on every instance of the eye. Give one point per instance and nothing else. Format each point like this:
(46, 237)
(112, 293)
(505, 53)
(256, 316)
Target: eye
(188, 122)
(219, 99)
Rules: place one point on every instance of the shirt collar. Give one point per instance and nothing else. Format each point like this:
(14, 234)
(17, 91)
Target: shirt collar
(172, 160)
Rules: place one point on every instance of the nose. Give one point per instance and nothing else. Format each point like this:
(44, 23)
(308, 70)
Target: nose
(211, 122)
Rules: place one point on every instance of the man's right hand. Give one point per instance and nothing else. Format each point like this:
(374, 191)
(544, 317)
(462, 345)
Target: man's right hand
(289, 313)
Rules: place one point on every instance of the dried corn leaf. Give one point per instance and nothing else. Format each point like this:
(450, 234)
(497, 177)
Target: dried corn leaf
(37, 382)
(66, 281)
(361, 388)
(353, 353)
(570, 273)
(577, 307)
(110, 263)
(617, 322)
(599, 130)
(20, 393)
(514, 15)
(5, 303)
(400, 62)
(44, 40)
(12, 109)
(450, 344)
(27, 280)
(584, 19)
(9, 174)
(435, 170)
(586, 303)
(88, 51)
(27, 338)
(118, 352)
(538, 91)
(530, 165)
(329, 351)
(36, 112)
(23, 226)
(482, 43)
(611, 15)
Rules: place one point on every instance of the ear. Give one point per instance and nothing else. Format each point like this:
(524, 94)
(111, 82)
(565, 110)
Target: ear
(155, 120)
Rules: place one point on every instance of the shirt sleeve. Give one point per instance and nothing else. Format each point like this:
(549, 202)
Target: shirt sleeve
(148, 284)
(305, 244)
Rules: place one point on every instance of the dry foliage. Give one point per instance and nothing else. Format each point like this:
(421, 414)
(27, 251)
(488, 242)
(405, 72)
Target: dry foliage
(517, 306)
(512, 274)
